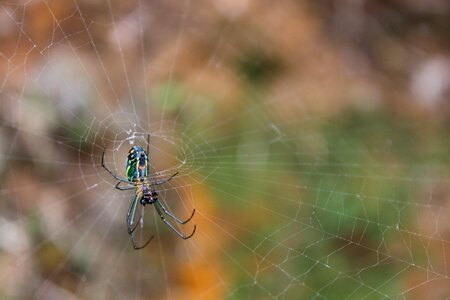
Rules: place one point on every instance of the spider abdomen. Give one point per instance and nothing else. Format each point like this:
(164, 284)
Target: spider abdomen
(137, 164)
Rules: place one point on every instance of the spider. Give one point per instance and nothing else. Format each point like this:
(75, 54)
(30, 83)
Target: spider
(138, 178)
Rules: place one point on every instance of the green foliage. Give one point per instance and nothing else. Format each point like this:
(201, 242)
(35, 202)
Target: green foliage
(337, 214)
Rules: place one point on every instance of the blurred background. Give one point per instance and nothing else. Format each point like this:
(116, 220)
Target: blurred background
(311, 137)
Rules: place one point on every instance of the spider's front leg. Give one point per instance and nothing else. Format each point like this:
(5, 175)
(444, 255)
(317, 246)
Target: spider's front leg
(184, 237)
(132, 224)
(173, 216)
(144, 245)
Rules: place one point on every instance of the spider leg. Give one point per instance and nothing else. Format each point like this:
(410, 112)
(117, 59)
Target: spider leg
(172, 216)
(131, 215)
(184, 237)
(110, 172)
(148, 144)
(158, 182)
(144, 245)
(131, 231)
(124, 188)
(130, 222)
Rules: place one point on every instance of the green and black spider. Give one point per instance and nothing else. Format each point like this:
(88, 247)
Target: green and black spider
(138, 178)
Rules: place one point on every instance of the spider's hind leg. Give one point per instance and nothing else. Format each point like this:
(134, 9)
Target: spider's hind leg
(124, 188)
(110, 172)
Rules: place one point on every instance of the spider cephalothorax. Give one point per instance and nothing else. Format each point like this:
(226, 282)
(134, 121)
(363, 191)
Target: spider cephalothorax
(149, 196)
(139, 179)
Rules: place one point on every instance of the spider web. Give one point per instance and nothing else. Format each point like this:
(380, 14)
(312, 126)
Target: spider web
(306, 182)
